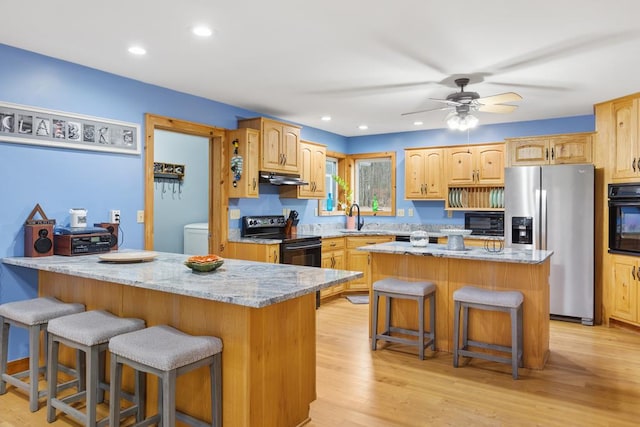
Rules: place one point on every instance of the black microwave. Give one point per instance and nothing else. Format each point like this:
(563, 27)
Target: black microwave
(484, 223)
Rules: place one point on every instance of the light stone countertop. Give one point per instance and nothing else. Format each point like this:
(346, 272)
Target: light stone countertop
(471, 253)
(246, 283)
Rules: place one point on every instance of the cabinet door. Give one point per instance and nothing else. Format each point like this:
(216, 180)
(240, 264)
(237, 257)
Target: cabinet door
(625, 139)
(306, 171)
(290, 148)
(570, 149)
(414, 174)
(624, 288)
(270, 151)
(490, 164)
(358, 261)
(461, 166)
(248, 148)
(434, 175)
(318, 170)
(529, 151)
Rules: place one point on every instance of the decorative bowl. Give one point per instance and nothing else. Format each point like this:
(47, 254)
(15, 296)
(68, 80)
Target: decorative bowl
(419, 238)
(204, 263)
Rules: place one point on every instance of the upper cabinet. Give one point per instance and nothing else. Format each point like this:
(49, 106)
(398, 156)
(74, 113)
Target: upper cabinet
(313, 164)
(626, 148)
(245, 146)
(550, 149)
(469, 165)
(424, 173)
(279, 144)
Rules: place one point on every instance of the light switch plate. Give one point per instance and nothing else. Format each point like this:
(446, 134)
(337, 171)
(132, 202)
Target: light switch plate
(140, 217)
(410, 211)
(400, 212)
(234, 213)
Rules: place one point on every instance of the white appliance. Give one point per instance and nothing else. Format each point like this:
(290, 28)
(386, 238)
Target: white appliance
(78, 217)
(196, 238)
(552, 208)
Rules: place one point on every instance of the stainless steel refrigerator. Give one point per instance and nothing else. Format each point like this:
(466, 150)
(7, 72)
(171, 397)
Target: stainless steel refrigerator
(552, 208)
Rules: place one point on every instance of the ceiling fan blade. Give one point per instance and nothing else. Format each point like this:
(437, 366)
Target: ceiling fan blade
(497, 108)
(426, 111)
(500, 98)
(447, 101)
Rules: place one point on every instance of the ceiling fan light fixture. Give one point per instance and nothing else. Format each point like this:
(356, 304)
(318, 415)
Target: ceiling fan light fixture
(462, 122)
(453, 122)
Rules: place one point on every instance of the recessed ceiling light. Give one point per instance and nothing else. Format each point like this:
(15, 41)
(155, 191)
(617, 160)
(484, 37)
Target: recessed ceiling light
(137, 50)
(202, 31)
(363, 127)
(326, 118)
(417, 123)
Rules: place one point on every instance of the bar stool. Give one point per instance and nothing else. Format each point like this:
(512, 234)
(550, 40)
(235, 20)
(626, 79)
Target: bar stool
(167, 353)
(484, 299)
(89, 332)
(401, 289)
(33, 315)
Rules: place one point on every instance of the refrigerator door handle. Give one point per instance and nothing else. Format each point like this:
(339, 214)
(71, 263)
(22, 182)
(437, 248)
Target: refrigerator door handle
(542, 244)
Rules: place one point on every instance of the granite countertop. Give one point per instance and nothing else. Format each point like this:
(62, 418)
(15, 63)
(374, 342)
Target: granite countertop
(246, 283)
(509, 255)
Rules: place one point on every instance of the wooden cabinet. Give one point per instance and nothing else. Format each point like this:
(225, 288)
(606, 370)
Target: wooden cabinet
(313, 164)
(424, 173)
(333, 256)
(624, 292)
(359, 260)
(248, 144)
(254, 252)
(475, 165)
(626, 147)
(550, 149)
(279, 144)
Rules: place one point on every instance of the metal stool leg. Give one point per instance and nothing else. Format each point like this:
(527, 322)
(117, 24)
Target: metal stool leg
(421, 328)
(515, 339)
(432, 319)
(4, 352)
(34, 366)
(374, 326)
(456, 333)
(216, 390)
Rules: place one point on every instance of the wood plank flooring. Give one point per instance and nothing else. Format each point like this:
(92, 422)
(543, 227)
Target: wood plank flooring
(592, 379)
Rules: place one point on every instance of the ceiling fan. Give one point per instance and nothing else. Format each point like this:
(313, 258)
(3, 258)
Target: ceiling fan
(464, 103)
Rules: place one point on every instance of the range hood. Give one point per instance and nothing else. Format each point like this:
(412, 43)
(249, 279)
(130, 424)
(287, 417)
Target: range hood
(277, 178)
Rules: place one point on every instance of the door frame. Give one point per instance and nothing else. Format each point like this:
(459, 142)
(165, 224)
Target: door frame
(218, 196)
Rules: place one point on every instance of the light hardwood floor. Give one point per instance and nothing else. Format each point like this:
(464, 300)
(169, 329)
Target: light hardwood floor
(592, 379)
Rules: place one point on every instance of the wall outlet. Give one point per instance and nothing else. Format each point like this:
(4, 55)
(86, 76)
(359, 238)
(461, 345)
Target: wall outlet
(400, 212)
(449, 214)
(114, 216)
(140, 217)
(234, 213)
(410, 211)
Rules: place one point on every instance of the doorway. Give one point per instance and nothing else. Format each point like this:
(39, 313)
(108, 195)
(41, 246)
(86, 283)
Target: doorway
(217, 195)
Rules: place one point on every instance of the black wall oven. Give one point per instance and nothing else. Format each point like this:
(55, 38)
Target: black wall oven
(624, 219)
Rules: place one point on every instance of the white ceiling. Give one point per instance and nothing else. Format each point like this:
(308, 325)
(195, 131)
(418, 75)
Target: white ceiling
(359, 61)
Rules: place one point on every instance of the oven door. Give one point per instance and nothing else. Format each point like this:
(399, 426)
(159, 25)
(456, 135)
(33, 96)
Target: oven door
(301, 253)
(624, 226)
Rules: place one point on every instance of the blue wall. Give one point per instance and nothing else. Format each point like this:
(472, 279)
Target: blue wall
(60, 179)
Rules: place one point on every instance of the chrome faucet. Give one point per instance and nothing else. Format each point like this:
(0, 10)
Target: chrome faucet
(360, 223)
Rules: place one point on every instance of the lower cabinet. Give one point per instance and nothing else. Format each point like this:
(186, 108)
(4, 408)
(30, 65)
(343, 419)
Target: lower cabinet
(333, 257)
(254, 252)
(359, 260)
(624, 294)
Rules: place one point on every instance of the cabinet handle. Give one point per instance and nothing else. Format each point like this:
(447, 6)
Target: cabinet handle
(333, 262)
(254, 183)
(546, 154)
(275, 257)
(332, 245)
(634, 164)
(553, 153)
(633, 273)
(284, 159)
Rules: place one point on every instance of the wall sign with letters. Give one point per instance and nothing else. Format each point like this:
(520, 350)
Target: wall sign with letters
(30, 125)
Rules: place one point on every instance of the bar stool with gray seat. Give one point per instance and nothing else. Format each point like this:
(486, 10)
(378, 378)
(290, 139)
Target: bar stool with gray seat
(167, 353)
(485, 299)
(401, 289)
(89, 332)
(33, 315)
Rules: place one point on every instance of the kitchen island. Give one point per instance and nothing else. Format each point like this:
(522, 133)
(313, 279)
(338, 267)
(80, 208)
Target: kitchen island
(526, 271)
(264, 314)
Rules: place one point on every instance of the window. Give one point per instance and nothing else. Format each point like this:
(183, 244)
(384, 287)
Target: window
(375, 183)
(335, 165)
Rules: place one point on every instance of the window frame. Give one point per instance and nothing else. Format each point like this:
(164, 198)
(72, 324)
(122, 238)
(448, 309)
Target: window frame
(353, 159)
(342, 171)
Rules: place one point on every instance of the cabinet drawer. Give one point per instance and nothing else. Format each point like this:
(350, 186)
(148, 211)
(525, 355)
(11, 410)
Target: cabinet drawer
(357, 241)
(332, 244)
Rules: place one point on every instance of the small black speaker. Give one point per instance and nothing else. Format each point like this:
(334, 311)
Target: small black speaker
(112, 228)
(37, 240)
